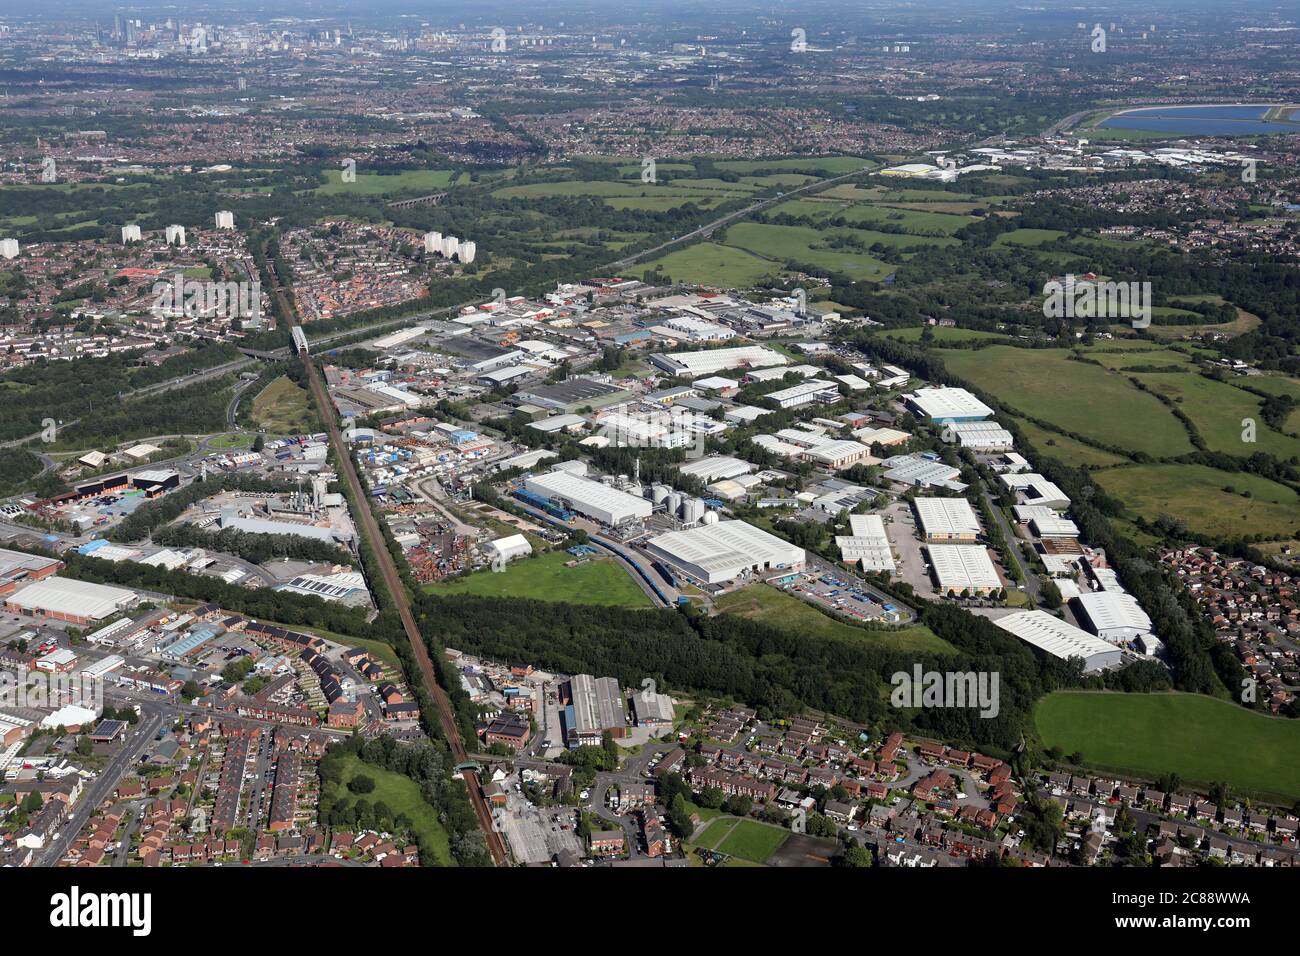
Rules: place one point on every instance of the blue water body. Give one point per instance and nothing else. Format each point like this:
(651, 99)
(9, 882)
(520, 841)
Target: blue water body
(1201, 121)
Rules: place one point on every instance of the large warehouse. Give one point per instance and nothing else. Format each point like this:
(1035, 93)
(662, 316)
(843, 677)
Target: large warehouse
(591, 498)
(66, 599)
(1056, 637)
(718, 553)
(982, 436)
(944, 405)
(866, 545)
(712, 361)
(715, 468)
(947, 519)
(1113, 615)
(963, 567)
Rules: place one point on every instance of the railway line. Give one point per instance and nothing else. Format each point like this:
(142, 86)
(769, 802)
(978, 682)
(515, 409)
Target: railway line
(370, 528)
(366, 518)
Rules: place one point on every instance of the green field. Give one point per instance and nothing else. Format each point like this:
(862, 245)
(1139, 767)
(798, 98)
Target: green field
(1067, 450)
(283, 408)
(1194, 494)
(747, 840)
(711, 264)
(805, 245)
(1074, 396)
(1202, 739)
(768, 605)
(601, 582)
(402, 794)
(373, 184)
(1218, 409)
(1028, 237)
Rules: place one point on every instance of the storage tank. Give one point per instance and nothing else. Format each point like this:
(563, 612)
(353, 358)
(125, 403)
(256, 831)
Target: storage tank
(659, 492)
(674, 502)
(710, 517)
(692, 510)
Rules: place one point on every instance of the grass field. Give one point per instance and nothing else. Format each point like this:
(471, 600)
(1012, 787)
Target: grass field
(600, 582)
(1067, 450)
(1218, 410)
(1202, 739)
(747, 840)
(1074, 396)
(773, 607)
(708, 263)
(1028, 237)
(283, 408)
(1194, 494)
(805, 245)
(372, 184)
(402, 794)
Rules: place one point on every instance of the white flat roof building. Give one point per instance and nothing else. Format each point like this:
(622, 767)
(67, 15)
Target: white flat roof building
(722, 552)
(712, 361)
(1036, 490)
(867, 544)
(508, 548)
(837, 454)
(804, 393)
(982, 436)
(70, 599)
(1054, 636)
(715, 468)
(947, 519)
(881, 436)
(920, 472)
(590, 498)
(963, 567)
(1053, 527)
(945, 404)
(529, 459)
(1113, 615)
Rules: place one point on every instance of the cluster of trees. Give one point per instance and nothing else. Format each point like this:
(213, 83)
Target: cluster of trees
(257, 548)
(149, 517)
(427, 763)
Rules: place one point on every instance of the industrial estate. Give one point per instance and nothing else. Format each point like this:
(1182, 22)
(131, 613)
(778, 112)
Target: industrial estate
(679, 439)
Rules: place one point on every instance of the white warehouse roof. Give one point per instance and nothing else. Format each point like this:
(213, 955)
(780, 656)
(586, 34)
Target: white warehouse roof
(1114, 614)
(56, 595)
(715, 467)
(947, 517)
(1056, 637)
(710, 361)
(943, 404)
(867, 543)
(715, 553)
(961, 567)
(590, 498)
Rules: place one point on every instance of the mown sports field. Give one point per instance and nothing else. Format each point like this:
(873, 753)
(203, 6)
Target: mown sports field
(745, 839)
(1202, 739)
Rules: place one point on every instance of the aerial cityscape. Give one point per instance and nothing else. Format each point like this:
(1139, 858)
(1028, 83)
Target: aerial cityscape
(580, 435)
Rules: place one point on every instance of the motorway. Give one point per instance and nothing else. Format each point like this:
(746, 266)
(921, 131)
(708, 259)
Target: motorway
(369, 527)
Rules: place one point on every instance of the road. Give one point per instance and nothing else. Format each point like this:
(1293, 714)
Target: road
(369, 527)
(103, 785)
(1033, 587)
